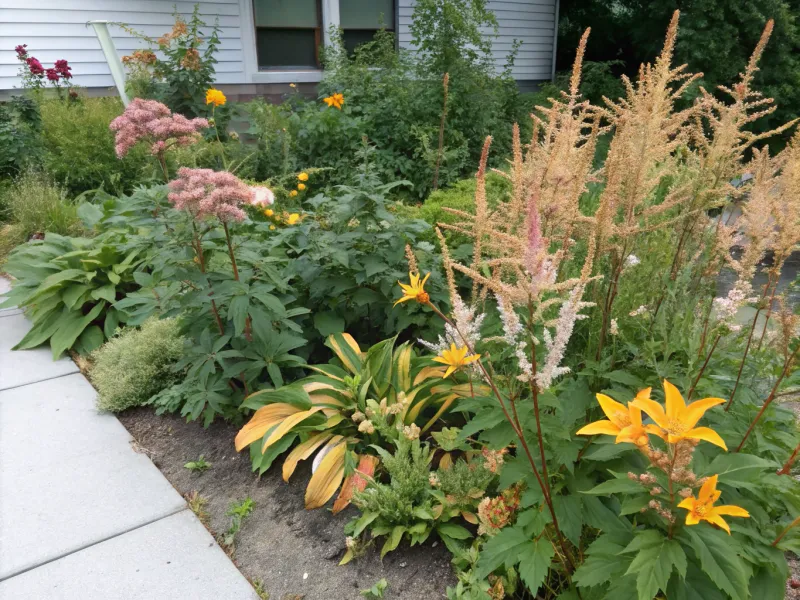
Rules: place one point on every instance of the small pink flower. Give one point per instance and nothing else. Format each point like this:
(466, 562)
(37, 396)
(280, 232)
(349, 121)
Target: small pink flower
(262, 196)
(208, 193)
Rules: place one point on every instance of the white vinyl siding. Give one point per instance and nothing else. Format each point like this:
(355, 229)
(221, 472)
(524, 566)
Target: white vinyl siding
(55, 29)
(532, 22)
(52, 32)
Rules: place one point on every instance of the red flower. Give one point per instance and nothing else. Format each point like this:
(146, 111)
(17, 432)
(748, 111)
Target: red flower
(21, 51)
(63, 69)
(34, 66)
(52, 75)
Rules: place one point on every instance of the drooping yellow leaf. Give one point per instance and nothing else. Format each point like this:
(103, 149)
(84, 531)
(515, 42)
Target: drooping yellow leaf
(286, 426)
(469, 517)
(366, 466)
(302, 452)
(328, 476)
(428, 373)
(262, 420)
(445, 405)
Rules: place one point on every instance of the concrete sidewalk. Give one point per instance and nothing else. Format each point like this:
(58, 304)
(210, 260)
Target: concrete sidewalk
(82, 515)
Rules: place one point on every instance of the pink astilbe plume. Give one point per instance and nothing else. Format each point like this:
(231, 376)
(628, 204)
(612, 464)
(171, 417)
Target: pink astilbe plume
(209, 193)
(152, 122)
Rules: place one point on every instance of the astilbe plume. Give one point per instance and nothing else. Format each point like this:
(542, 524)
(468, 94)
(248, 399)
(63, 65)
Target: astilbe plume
(524, 240)
(152, 122)
(208, 193)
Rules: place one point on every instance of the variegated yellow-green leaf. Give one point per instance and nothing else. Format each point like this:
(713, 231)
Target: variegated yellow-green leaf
(286, 426)
(356, 481)
(302, 452)
(428, 373)
(445, 405)
(402, 367)
(264, 418)
(346, 348)
(329, 474)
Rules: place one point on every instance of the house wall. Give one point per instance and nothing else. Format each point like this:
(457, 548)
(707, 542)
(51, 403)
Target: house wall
(52, 32)
(532, 22)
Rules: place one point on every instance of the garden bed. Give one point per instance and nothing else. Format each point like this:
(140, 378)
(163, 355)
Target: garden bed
(292, 551)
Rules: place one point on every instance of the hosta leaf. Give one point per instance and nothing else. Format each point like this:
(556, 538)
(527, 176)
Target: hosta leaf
(71, 327)
(302, 452)
(262, 421)
(346, 348)
(106, 292)
(286, 425)
(91, 339)
(328, 476)
(328, 323)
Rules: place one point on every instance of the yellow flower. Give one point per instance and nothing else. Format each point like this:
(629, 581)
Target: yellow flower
(293, 193)
(702, 508)
(292, 85)
(293, 218)
(455, 358)
(269, 212)
(301, 186)
(215, 97)
(678, 421)
(623, 422)
(415, 290)
(303, 176)
(272, 227)
(336, 100)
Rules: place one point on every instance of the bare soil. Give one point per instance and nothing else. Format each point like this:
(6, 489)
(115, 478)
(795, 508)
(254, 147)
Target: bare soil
(293, 552)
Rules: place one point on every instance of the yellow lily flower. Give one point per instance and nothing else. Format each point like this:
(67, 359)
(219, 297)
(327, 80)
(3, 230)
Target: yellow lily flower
(623, 422)
(678, 421)
(293, 218)
(702, 508)
(415, 290)
(455, 358)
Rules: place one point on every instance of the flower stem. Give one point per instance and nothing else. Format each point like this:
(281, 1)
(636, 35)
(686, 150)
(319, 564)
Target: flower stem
(789, 527)
(787, 467)
(516, 426)
(703, 368)
(787, 365)
(744, 359)
(198, 249)
(163, 162)
(247, 323)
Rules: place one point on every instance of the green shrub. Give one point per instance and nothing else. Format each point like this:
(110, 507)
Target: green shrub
(79, 147)
(36, 204)
(136, 364)
(460, 196)
(20, 125)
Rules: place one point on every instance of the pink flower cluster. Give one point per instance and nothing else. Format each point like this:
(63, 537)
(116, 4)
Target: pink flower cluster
(209, 193)
(152, 122)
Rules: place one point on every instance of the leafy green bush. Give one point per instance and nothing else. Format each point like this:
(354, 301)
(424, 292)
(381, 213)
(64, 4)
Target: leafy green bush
(68, 286)
(20, 125)
(460, 196)
(79, 147)
(136, 364)
(35, 204)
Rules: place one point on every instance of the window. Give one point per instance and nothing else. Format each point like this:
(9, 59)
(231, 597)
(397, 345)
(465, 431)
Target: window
(288, 33)
(360, 19)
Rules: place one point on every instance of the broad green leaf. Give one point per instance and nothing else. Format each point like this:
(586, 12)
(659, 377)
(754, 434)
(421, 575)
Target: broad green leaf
(106, 292)
(454, 531)
(654, 562)
(736, 467)
(570, 516)
(71, 327)
(623, 485)
(393, 540)
(111, 323)
(718, 559)
(535, 562)
(328, 323)
(502, 549)
(91, 339)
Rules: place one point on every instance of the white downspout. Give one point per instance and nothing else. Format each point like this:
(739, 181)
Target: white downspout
(330, 16)
(112, 58)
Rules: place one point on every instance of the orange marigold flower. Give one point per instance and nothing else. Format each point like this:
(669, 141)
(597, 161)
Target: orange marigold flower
(215, 97)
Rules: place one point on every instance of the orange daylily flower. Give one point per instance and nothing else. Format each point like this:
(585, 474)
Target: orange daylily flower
(678, 421)
(455, 358)
(623, 422)
(335, 100)
(415, 290)
(702, 508)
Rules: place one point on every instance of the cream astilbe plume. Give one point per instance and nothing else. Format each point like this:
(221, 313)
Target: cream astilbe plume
(521, 242)
(648, 130)
(788, 326)
(786, 208)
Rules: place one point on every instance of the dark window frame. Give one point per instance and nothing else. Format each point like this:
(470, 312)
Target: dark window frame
(318, 41)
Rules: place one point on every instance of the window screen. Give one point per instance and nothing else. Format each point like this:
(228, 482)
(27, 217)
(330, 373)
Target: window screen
(360, 19)
(288, 33)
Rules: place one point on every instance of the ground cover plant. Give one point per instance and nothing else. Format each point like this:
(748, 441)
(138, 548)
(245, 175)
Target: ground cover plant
(559, 390)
